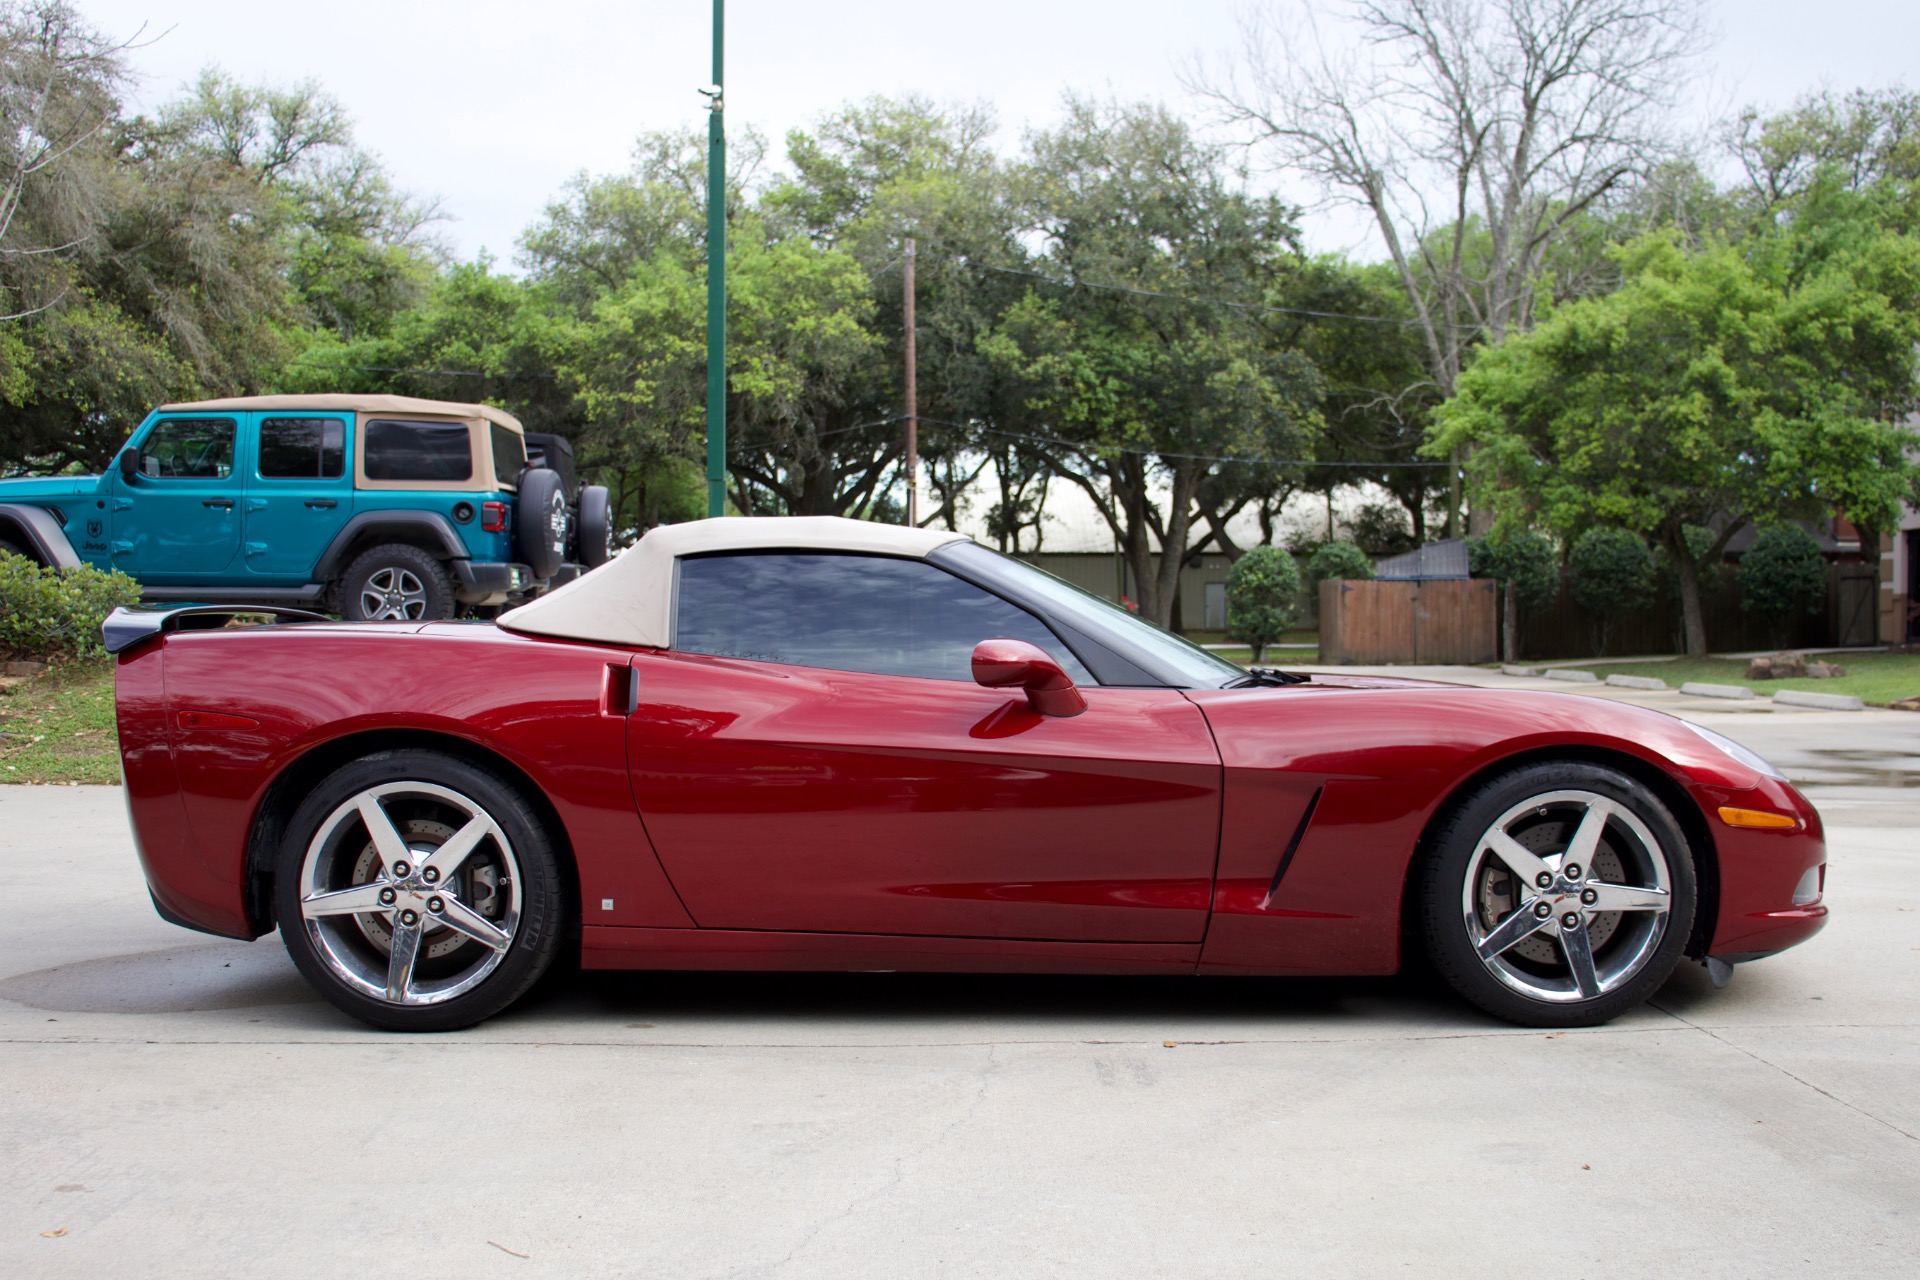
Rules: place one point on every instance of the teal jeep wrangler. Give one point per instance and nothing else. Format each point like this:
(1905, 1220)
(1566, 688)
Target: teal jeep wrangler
(373, 507)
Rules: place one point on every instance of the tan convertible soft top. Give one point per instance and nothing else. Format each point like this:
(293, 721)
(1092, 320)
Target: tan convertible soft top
(396, 405)
(629, 600)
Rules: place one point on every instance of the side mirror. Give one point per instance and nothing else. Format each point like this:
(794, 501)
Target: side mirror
(129, 463)
(1015, 664)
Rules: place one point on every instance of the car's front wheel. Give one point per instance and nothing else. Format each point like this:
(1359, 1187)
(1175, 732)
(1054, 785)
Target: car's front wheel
(419, 892)
(1559, 894)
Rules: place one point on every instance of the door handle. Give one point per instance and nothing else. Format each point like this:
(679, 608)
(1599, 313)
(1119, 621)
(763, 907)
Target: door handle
(327, 503)
(217, 502)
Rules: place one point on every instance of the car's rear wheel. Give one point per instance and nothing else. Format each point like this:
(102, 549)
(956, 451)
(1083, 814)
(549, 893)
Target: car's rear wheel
(396, 583)
(11, 548)
(1558, 895)
(419, 892)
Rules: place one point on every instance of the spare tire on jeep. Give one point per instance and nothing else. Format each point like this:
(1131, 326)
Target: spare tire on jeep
(593, 526)
(540, 521)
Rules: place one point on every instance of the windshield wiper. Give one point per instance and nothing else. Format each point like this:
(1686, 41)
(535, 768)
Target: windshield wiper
(1267, 678)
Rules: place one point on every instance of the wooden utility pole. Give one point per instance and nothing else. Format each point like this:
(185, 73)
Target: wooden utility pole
(913, 405)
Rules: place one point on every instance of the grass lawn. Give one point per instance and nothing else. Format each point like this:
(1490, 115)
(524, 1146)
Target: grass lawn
(1874, 678)
(58, 727)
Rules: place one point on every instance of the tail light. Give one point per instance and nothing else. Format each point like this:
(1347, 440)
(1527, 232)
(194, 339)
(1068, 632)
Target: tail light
(493, 517)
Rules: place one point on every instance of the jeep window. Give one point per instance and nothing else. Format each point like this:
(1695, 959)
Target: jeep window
(434, 451)
(189, 449)
(303, 448)
(509, 454)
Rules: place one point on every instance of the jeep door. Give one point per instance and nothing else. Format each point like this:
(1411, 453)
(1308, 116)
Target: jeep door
(299, 491)
(177, 520)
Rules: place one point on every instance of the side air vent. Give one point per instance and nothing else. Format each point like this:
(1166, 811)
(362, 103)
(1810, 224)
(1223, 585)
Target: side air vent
(1293, 845)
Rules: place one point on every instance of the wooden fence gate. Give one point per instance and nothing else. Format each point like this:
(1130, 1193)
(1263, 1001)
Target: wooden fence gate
(1446, 621)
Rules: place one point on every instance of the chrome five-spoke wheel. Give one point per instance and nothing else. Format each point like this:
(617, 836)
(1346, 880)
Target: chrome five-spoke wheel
(419, 891)
(411, 893)
(1558, 894)
(1566, 896)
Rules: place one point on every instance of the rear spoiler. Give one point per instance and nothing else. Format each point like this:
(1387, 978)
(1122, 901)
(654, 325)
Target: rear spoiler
(125, 628)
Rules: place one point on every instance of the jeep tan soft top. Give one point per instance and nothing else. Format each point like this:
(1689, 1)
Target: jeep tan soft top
(355, 404)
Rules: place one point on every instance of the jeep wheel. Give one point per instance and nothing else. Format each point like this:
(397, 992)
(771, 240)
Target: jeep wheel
(396, 583)
(10, 548)
(540, 521)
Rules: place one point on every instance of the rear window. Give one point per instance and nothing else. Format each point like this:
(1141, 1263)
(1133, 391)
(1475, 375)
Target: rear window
(418, 450)
(509, 454)
(303, 448)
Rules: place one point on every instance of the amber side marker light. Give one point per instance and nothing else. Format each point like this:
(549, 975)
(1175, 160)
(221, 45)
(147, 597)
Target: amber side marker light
(1759, 819)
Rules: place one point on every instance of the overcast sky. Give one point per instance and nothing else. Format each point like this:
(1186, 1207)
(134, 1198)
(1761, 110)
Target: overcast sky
(492, 104)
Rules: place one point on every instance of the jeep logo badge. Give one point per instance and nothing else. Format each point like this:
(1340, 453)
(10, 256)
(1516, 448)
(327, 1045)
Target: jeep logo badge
(94, 528)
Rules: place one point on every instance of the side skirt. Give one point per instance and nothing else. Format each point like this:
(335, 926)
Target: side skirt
(612, 947)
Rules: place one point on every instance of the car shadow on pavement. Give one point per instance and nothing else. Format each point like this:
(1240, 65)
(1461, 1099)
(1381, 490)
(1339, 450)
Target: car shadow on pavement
(909, 1000)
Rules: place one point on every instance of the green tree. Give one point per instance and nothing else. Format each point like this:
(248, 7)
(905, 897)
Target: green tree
(1263, 597)
(1609, 572)
(1782, 573)
(1524, 564)
(1339, 560)
(1142, 350)
(1713, 389)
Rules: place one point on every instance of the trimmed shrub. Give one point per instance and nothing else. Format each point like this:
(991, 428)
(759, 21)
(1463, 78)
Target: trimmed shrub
(56, 613)
(1781, 574)
(1340, 561)
(1263, 596)
(1523, 561)
(1609, 573)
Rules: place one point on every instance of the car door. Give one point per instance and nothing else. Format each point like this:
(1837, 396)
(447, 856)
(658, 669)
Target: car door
(177, 519)
(298, 491)
(813, 755)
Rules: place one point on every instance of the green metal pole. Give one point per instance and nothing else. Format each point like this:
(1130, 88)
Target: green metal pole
(717, 280)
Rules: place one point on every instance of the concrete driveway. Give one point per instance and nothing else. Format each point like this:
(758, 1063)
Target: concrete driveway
(171, 1104)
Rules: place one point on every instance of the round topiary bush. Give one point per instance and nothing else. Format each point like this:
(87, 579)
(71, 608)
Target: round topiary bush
(1263, 597)
(1609, 573)
(1781, 574)
(1340, 561)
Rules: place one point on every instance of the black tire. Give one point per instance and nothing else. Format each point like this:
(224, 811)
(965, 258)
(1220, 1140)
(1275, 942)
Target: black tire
(594, 525)
(1473, 897)
(396, 583)
(11, 548)
(540, 521)
(454, 981)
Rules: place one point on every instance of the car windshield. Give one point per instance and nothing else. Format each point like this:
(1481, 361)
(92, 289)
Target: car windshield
(1100, 616)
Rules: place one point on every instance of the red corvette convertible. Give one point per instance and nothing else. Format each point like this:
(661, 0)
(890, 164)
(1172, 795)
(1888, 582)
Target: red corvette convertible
(822, 744)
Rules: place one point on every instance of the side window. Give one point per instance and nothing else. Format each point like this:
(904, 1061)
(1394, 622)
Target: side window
(433, 451)
(189, 449)
(848, 613)
(509, 454)
(303, 448)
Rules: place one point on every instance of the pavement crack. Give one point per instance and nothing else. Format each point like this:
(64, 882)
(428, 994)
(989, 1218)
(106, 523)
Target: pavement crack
(900, 1162)
(1800, 1080)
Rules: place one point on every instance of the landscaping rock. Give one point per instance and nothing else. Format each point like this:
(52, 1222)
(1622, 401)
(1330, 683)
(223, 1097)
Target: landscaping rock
(1699, 690)
(1577, 677)
(1778, 666)
(1519, 671)
(22, 670)
(1825, 671)
(1818, 701)
(1636, 682)
(1906, 704)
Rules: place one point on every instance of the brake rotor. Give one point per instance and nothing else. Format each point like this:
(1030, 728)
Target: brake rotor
(1498, 897)
(421, 835)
